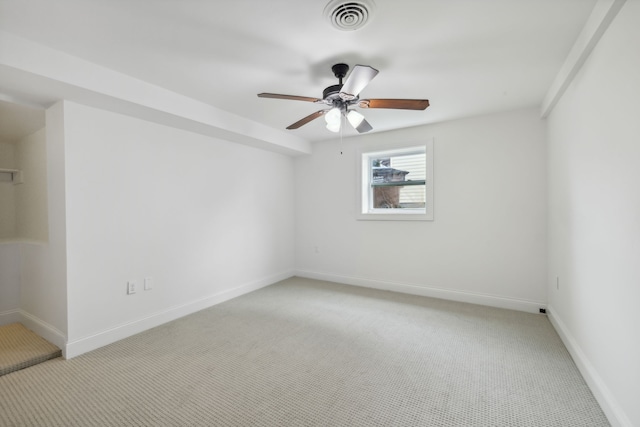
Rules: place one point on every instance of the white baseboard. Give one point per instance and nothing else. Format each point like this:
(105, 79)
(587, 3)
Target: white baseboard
(427, 291)
(37, 325)
(44, 329)
(9, 316)
(608, 403)
(102, 338)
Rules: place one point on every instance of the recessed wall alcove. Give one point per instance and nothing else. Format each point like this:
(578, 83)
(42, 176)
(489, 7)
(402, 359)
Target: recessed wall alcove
(23, 197)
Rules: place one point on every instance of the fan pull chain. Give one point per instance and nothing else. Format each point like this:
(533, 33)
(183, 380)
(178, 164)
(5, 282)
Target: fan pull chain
(343, 118)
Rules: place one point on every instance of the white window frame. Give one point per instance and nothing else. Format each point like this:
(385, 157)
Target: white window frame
(364, 210)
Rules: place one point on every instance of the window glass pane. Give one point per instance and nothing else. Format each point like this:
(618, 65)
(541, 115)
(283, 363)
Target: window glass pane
(397, 184)
(387, 174)
(412, 196)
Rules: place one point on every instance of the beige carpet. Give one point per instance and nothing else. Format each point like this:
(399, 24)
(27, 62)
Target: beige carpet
(21, 348)
(309, 353)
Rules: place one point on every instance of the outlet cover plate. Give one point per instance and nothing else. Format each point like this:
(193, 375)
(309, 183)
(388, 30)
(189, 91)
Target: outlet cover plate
(131, 287)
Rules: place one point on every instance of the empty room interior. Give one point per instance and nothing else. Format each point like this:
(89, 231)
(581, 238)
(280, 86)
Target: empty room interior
(359, 212)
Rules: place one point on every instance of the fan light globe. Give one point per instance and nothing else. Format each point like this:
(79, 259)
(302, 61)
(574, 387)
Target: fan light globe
(333, 119)
(333, 127)
(355, 118)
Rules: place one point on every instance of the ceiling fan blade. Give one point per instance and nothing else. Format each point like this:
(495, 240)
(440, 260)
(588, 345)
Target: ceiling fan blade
(291, 97)
(357, 80)
(400, 104)
(307, 119)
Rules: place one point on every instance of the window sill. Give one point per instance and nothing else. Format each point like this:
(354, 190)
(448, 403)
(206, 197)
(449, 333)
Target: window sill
(409, 216)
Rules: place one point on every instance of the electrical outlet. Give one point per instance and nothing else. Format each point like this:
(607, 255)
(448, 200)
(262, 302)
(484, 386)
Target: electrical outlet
(148, 283)
(131, 287)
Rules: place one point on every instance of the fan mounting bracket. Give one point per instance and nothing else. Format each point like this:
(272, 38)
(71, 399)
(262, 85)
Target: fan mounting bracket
(340, 71)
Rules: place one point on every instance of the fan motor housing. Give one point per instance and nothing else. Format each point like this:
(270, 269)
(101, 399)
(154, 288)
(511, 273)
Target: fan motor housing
(331, 90)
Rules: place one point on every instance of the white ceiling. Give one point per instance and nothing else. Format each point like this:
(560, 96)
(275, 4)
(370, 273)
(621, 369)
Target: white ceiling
(468, 57)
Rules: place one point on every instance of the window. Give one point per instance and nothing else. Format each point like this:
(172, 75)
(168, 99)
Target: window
(397, 184)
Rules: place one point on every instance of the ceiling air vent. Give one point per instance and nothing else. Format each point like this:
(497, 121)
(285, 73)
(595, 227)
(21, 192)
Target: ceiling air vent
(349, 15)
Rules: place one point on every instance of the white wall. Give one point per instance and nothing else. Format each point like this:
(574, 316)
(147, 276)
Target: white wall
(9, 250)
(43, 270)
(594, 218)
(9, 282)
(487, 243)
(7, 194)
(23, 217)
(31, 195)
(206, 219)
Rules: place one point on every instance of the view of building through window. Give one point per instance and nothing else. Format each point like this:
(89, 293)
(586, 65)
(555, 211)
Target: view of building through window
(398, 181)
(397, 184)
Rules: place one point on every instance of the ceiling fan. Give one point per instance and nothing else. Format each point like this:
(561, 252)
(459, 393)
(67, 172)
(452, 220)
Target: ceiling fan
(341, 97)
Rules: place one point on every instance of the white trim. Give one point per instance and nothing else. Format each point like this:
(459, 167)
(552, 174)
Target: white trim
(44, 329)
(429, 291)
(398, 216)
(37, 325)
(603, 395)
(118, 332)
(363, 210)
(601, 17)
(9, 316)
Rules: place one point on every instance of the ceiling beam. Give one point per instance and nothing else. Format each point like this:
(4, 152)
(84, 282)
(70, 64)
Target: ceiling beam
(601, 17)
(31, 71)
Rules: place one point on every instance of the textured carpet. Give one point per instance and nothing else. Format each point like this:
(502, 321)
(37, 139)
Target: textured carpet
(21, 348)
(309, 353)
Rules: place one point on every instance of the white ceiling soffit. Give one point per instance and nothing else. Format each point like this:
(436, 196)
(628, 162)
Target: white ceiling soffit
(55, 75)
(467, 57)
(599, 20)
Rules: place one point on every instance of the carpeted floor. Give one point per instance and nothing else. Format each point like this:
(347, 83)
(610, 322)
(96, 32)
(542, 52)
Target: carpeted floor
(309, 353)
(21, 348)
